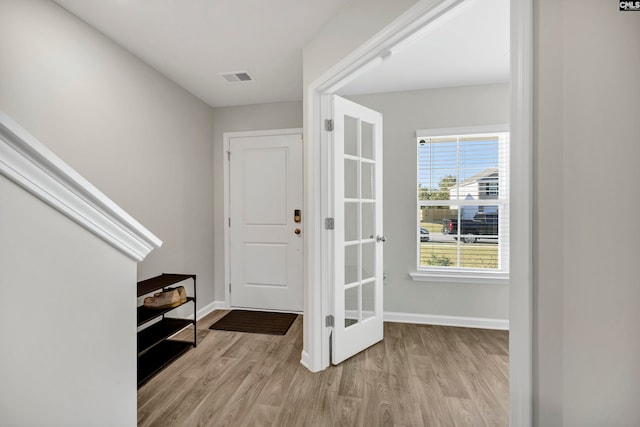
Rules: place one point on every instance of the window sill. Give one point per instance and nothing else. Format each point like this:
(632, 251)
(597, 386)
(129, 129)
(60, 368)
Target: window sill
(458, 277)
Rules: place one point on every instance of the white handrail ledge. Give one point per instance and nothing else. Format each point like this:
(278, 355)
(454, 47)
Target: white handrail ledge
(28, 163)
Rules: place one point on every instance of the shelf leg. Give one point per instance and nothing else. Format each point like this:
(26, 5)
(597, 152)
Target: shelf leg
(195, 315)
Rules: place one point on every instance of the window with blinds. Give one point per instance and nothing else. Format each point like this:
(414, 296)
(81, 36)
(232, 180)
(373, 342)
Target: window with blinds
(463, 200)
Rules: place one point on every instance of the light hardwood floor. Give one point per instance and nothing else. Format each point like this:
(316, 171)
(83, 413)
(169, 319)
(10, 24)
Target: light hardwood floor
(418, 376)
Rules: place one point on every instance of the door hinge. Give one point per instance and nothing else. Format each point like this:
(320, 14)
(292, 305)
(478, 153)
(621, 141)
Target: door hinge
(228, 155)
(329, 321)
(229, 288)
(229, 221)
(328, 125)
(329, 224)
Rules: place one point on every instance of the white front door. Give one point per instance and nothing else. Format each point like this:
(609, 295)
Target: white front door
(358, 237)
(266, 229)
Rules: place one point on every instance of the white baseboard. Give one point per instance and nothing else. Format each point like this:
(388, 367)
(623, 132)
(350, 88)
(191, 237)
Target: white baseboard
(215, 305)
(421, 319)
(272, 310)
(305, 360)
(433, 319)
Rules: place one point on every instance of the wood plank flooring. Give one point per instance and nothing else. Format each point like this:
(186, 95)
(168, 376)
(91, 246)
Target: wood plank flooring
(418, 376)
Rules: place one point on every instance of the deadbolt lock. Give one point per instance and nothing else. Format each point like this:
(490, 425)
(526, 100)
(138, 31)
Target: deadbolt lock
(297, 231)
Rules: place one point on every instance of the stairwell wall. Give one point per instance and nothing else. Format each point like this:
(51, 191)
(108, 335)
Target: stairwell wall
(69, 336)
(67, 356)
(138, 137)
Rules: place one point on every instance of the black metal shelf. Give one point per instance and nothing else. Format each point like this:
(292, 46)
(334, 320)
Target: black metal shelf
(158, 332)
(162, 281)
(155, 350)
(145, 313)
(159, 357)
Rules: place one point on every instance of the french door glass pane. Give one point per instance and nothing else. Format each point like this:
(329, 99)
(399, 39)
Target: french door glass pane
(351, 226)
(368, 220)
(368, 147)
(368, 180)
(368, 260)
(351, 263)
(351, 306)
(351, 136)
(350, 179)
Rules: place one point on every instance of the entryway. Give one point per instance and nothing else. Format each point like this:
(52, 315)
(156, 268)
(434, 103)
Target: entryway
(264, 231)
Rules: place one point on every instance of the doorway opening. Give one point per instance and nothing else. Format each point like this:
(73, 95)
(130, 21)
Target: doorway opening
(318, 303)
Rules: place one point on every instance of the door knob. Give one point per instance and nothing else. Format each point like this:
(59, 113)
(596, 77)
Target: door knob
(297, 231)
(381, 239)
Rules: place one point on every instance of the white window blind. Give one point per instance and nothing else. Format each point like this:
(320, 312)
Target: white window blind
(463, 200)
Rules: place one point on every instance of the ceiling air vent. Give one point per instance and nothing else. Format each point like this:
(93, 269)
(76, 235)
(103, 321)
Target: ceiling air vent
(237, 77)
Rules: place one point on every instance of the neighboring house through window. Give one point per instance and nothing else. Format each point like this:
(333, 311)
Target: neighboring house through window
(463, 201)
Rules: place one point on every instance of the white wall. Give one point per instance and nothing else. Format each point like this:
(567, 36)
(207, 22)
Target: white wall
(404, 113)
(141, 139)
(67, 324)
(353, 25)
(588, 63)
(280, 115)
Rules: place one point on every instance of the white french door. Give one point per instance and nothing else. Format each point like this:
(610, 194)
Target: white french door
(358, 237)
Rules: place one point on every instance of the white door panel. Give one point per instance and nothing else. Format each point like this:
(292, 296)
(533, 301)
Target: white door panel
(265, 185)
(266, 254)
(268, 266)
(357, 296)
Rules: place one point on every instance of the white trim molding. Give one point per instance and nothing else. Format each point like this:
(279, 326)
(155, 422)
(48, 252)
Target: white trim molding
(474, 278)
(462, 131)
(209, 308)
(305, 361)
(458, 321)
(521, 233)
(28, 163)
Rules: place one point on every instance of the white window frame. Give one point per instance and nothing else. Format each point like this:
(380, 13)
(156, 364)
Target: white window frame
(471, 275)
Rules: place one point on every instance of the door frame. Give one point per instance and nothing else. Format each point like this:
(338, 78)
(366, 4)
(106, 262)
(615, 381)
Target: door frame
(227, 137)
(318, 176)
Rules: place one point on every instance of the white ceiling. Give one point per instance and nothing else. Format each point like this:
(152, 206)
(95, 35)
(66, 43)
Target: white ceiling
(467, 46)
(192, 41)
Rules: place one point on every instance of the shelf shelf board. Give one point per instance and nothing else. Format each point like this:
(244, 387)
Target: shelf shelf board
(158, 357)
(156, 333)
(162, 281)
(145, 314)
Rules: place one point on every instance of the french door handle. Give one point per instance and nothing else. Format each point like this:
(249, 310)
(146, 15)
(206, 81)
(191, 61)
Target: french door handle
(381, 239)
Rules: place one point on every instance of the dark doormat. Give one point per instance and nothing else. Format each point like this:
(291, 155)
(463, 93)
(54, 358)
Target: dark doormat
(255, 322)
